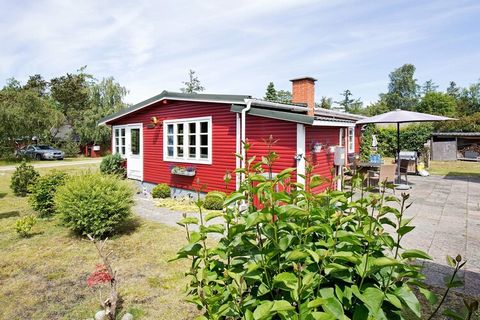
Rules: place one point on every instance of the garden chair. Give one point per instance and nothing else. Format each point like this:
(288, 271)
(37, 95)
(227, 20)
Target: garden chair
(386, 173)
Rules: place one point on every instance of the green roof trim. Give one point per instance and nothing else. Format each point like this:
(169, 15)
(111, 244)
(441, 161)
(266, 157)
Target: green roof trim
(200, 97)
(274, 114)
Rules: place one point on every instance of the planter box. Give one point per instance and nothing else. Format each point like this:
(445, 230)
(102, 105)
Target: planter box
(183, 173)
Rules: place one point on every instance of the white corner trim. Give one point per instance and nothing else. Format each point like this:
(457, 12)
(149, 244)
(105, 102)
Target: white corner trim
(300, 151)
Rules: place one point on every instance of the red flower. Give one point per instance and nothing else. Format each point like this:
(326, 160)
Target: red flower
(100, 275)
(275, 218)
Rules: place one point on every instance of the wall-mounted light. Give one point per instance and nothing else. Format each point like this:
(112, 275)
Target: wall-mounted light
(317, 147)
(154, 121)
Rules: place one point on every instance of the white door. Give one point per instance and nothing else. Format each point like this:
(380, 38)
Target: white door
(134, 151)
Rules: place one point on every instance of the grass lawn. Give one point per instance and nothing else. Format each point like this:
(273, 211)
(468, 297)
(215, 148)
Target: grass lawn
(9, 162)
(455, 168)
(44, 276)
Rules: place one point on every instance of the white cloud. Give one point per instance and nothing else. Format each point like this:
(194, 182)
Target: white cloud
(236, 47)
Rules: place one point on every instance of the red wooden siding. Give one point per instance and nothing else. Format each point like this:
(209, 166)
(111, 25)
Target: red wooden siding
(155, 170)
(358, 134)
(323, 161)
(259, 129)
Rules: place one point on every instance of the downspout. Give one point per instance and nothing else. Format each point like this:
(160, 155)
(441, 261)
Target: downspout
(243, 134)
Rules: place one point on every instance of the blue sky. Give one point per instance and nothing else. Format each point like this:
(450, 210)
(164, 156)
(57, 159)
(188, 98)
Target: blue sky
(239, 46)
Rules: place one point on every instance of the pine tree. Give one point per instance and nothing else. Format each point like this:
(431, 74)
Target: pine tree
(193, 85)
(271, 93)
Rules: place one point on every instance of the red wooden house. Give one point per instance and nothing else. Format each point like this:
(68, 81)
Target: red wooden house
(177, 138)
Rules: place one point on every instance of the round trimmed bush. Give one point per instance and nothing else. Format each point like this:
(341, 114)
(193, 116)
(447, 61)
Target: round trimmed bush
(94, 203)
(23, 178)
(43, 192)
(214, 200)
(161, 190)
(113, 164)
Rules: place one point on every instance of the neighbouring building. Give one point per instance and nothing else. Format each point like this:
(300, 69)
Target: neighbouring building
(177, 138)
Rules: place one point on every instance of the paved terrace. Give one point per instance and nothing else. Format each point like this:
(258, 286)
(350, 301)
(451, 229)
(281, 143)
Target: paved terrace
(446, 213)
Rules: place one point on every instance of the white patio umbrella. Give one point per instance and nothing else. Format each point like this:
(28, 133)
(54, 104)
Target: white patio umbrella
(402, 116)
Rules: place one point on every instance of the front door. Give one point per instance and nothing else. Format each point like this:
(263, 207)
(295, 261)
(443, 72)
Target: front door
(134, 151)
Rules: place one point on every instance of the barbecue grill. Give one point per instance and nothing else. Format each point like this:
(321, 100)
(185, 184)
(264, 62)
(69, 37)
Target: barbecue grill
(412, 158)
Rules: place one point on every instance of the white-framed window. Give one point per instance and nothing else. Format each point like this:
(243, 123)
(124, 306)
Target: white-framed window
(119, 140)
(341, 137)
(351, 140)
(188, 140)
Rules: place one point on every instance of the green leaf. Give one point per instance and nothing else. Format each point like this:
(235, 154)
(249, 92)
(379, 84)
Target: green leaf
(233, 197)
(330, 305)
(296, 255)
(284, 242)
(451, 262)
(404, 230)
(320, 316)
(191, 249)
(267, 309)
(405, 294)
(429, 295)
(293, 211)
(408, 254)
(188, 220)
(285, 280)
(453, 315)
(285, 172)
(215, 228)
(213, 215)
(385, 261)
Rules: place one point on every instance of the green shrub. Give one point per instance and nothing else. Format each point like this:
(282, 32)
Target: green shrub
(24, 225)
(161, 190)
(113, 164)
(94, 203)
(214, 200)
(23, 178)
(295, 254)
(71, 149)
(43, 192)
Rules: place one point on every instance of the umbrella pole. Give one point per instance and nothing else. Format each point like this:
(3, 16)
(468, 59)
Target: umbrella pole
(398, 153)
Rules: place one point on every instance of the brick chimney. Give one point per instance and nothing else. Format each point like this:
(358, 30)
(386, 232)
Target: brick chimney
(303, 91)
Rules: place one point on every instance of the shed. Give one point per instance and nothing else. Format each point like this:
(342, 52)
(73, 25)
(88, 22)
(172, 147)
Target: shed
(449, 146)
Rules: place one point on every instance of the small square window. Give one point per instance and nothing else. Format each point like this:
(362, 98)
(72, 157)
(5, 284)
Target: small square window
(203, 127)
(170, 129)
(192, 152)
(170, 151)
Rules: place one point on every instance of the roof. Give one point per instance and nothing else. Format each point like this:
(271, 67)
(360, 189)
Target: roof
(282, 111)
(200, 97)
(456, 134)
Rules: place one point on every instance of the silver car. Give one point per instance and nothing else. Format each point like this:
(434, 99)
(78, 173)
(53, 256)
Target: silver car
(43, 152)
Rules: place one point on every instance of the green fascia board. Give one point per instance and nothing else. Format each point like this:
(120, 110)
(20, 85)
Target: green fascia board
(200, 97)
(274, 114)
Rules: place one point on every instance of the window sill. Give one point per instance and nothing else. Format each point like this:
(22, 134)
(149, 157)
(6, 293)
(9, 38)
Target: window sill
(206, 161)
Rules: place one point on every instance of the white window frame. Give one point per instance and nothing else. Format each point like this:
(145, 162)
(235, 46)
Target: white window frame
(120, 145)
(186, 140)
(351, 140)
(341, 137)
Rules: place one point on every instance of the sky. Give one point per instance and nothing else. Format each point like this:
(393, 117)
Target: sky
(238, 47)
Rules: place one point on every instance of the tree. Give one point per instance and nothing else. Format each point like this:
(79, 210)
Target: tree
(402, 89)
(284, 96)
(24, 114)
(71, 94)
(12, 85)
(453, 90)
(105, 97)
(376, 108)
(348, 104)
(469, 100)
(325, 103)
(437, 103)
(193, 85)
(37, 84)
(270, 93)
(429, 86)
